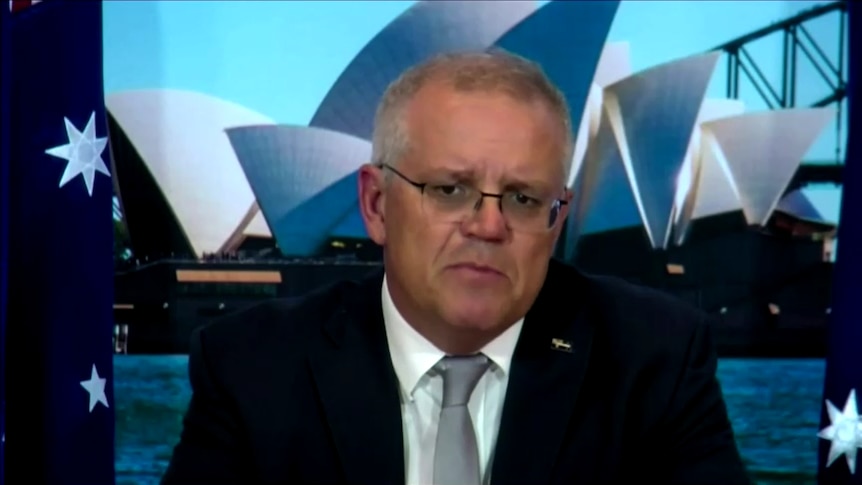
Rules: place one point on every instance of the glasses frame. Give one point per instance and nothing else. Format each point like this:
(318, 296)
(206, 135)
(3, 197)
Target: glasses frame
(557, 203)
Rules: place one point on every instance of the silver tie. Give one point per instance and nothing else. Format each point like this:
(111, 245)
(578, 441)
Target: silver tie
(456, 455)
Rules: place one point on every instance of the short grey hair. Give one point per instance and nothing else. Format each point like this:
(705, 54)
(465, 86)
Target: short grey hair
(495, 70)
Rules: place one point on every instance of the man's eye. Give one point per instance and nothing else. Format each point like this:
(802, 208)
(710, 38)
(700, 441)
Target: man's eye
(447, 190)
(522, 199)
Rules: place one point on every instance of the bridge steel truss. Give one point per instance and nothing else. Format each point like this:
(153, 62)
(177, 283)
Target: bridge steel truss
(798, 42)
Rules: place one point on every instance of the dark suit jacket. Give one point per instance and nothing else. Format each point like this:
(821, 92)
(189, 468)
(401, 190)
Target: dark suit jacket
(303, 391)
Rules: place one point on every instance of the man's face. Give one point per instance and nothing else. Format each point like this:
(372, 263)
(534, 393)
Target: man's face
(478, 275)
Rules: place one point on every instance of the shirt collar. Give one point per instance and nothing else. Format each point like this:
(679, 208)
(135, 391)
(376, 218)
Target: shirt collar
(413, 355)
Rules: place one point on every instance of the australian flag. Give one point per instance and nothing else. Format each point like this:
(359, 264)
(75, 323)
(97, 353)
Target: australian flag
(840, 454)
(4, 223)
(57, 246)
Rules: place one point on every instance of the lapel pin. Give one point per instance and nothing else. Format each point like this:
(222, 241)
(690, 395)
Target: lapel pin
(561, 345)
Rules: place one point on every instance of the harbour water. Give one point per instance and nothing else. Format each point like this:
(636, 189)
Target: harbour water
(774, 405)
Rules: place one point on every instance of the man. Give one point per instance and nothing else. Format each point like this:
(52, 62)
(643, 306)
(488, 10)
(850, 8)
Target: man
(475, 359)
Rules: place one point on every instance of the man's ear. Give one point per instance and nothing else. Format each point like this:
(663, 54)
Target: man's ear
(371, 199)
(568, 196)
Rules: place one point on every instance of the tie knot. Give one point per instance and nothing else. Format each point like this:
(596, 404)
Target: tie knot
(460, 376)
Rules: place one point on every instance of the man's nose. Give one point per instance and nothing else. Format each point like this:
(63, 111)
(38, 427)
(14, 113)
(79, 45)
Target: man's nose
(487, 221)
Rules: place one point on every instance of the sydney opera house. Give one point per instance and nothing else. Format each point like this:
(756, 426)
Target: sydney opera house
(225, 206)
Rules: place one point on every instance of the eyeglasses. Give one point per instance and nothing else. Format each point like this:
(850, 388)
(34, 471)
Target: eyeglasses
(457, 202)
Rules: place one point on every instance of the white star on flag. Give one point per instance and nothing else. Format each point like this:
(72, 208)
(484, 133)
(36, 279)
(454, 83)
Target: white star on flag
(844, 431)
(83, 152)
(95, 386)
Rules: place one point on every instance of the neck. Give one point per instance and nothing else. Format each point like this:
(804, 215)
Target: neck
(447, 336)
(457, 342)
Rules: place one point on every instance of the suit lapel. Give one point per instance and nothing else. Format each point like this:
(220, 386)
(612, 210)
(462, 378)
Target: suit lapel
(545, 378)
(359, 391)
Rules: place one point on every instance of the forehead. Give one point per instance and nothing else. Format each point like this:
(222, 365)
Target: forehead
(485, 131)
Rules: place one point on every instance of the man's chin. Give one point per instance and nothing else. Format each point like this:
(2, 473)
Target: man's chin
(475, 315)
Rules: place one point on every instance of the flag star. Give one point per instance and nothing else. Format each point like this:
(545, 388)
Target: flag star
(844, 431)
(83, 153)
(95, 386)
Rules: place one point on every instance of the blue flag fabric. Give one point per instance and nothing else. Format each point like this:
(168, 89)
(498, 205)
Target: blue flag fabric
(59, 303)
(840, 453)
(5, 98)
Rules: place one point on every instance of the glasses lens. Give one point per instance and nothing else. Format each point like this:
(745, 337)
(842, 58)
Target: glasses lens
(457, 205)
(448, 203)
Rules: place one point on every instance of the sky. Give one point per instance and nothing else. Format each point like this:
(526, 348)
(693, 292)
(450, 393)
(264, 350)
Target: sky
(281, 58)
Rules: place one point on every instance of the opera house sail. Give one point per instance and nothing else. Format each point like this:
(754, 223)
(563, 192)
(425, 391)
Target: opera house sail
(179, 138)
(303, 179)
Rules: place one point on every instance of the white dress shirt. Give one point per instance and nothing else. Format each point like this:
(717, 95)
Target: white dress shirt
(413, 358)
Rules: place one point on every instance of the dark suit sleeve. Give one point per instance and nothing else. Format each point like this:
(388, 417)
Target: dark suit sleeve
(210, 449)
(701, 448)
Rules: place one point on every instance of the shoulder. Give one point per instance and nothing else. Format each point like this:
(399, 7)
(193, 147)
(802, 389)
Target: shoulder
(276, 326)
(633, 317)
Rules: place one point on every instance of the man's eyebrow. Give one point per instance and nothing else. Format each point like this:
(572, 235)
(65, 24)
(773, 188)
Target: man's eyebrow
(459, 173)
(455, 170)
(526, 184)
